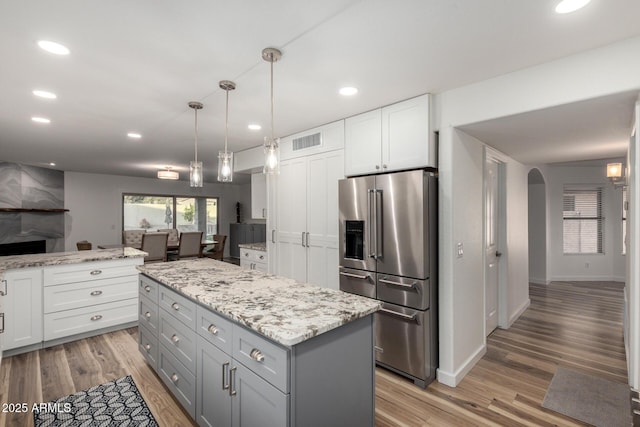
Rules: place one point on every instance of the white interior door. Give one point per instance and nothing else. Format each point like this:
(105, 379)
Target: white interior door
(492, 254)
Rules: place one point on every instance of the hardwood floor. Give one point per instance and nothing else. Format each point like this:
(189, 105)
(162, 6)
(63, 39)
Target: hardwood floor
(576, 325)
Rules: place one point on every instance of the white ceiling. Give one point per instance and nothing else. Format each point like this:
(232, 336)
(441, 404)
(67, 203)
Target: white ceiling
(134, 65)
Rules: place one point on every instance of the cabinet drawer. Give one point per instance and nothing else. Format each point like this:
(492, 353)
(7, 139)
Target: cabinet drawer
(178, 379)
(253, 255)
(149, 288)
(178, 339)
(86, 319)
(83, 294)
(148, 315)
(148, 346)
(215, 329)
(265, 358)
(59, 274)
(179, 307)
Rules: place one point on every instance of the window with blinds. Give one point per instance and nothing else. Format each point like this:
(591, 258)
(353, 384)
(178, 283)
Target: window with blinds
(582, 220)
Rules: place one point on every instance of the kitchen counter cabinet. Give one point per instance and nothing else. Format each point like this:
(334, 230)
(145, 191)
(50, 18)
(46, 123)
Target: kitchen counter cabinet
(58, 297)
(254, 367)
(253, 258)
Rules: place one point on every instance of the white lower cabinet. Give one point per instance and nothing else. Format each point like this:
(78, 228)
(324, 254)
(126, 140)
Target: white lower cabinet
(23, 308)
(253, 259)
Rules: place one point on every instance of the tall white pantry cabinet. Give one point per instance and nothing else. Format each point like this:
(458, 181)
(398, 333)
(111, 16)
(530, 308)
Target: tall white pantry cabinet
(305, 230)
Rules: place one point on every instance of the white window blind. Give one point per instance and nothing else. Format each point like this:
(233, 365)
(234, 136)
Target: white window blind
(582, 220)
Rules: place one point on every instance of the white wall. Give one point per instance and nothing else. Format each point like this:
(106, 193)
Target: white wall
(604, 71)
(461, 289)
(95, 203)
(537, 234)
(633, 247)
(607, 266)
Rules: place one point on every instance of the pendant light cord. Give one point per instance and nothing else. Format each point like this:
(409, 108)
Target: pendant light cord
(226, 123)
(196, 135)
(272, 130)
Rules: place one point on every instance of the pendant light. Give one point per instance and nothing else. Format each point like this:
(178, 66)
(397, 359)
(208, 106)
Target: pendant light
(195, 168)
(225, 158)
(271, 144)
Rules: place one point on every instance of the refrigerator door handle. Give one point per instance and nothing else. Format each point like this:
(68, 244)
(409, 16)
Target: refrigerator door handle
(371, 221)
(379, 231)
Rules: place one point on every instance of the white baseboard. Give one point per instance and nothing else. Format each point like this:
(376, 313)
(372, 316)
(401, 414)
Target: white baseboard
(538, 281)
(519, 312)
(587, 279)
(453, 379)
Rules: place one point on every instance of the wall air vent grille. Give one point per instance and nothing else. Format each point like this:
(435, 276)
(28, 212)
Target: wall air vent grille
(307, 141)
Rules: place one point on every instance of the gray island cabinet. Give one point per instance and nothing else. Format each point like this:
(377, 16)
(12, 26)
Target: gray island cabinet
(243, 348)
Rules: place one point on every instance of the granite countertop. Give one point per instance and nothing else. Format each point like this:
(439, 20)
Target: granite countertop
(59, 258)
(279, 308)
(262, 246)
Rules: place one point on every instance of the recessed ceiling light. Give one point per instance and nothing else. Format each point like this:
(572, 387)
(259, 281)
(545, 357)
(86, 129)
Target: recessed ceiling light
(52, 164)
(44, 94)
(348, 91)
(53, 47)
(134, 135)
(254, 127)
(40, 120)
(568, 6)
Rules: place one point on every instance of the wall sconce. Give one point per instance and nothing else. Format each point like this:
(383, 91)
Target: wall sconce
(615, 174)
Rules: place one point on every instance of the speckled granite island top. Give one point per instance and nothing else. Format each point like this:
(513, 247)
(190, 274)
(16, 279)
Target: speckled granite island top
(281, 309)
(262, 246)
(60, 258)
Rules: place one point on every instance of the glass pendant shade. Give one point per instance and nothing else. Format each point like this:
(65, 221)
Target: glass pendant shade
(271, 156)
(195, 174)
(225, 158)
(195, 167)
(225, 166)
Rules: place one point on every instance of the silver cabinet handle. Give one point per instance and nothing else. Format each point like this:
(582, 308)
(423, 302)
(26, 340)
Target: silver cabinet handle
(384, 166)
(95, 272)
(261, 256)
(96, 317)
(174, 377)
(307, 239)
(4, 291)
(175, 339)
(2, 320)
(147, 288)
(377, 166)
(213, 330)
(232, 381)
(225, 372)
(175, 306)
(355, 276)
(303, 239)
(257, 355)
(96, 293)
(264, 212)
(147, 347)
(147, 315)
(400, 285)
(400, 315)
(246, 254)
(273, 236)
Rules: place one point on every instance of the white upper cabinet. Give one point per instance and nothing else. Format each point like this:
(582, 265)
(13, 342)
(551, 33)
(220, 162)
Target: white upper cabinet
(395, 137)
(250, 160)
(258, 196)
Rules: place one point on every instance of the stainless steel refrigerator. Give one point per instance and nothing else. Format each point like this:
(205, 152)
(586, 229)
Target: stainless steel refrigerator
(388, 251)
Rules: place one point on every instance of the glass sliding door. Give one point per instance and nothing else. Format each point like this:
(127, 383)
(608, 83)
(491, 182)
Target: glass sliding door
(146, 212)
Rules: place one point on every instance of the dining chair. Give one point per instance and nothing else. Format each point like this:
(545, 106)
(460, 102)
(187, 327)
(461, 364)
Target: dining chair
(217, 252)
(173, 234)
(155, 245)
(190, 246)
(133, 238)
(83, 245)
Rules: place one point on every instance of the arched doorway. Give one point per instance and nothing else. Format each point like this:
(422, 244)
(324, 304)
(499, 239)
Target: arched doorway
(537, 227)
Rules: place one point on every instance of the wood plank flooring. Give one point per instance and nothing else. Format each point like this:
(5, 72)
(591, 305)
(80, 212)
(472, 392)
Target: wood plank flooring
(575, 325)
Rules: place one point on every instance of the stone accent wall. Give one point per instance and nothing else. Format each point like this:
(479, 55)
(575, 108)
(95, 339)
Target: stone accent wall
(31, 187)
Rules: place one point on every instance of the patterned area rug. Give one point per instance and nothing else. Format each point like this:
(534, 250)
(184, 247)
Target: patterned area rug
(116, 403)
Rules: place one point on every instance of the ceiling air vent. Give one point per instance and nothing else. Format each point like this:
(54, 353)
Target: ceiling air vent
(307, 141)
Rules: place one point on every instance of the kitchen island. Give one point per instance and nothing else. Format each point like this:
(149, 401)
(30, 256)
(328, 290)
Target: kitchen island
(57, 297)
(242, 347)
